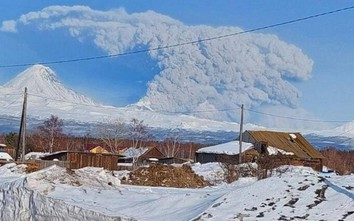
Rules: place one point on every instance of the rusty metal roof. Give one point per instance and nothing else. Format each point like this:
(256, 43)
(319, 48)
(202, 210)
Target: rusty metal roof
(286, 141)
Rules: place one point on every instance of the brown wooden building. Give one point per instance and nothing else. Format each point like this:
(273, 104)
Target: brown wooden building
(144, 156)
(294, 148)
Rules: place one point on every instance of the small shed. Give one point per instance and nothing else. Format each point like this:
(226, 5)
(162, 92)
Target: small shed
(226, 153)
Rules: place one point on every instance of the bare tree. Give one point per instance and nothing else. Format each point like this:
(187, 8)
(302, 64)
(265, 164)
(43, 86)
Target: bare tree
(69, 142)
(138, 133)
(50, 130)
(171, 144)
(111, 132)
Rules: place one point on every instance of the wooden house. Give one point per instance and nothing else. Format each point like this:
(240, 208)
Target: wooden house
(288, 147)
(142, 155)
(151, 154)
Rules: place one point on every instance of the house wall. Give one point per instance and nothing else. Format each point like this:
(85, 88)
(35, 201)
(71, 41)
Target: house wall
(171, 160)
(246, 137)
(212, 157)
(250, 155)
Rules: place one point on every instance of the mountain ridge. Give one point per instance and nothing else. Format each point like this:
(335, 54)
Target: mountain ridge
(47, 96)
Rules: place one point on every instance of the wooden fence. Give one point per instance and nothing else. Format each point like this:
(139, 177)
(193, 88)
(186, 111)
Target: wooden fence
(81, 159)
(76, 160)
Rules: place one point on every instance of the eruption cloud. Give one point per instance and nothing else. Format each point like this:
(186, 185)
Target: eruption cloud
(254, 69)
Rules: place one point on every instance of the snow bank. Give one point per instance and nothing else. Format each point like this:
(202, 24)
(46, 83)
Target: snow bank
(290, 194)
(46, 180)
(21, 203)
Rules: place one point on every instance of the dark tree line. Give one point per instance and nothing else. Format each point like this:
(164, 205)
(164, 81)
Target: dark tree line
(112, 135)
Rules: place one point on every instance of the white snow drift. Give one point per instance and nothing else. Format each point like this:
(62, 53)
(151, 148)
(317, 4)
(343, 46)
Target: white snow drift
(96, 194)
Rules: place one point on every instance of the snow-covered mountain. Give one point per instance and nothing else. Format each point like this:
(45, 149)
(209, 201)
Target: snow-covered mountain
(42, 81)
(47, 95)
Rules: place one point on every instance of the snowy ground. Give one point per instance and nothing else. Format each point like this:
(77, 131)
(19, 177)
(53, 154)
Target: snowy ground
(95, 194)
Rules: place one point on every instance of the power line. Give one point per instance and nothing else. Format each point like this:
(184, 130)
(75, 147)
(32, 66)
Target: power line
(180, 44)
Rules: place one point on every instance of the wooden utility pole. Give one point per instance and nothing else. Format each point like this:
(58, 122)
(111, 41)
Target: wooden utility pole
(240, 137)
(22, 133)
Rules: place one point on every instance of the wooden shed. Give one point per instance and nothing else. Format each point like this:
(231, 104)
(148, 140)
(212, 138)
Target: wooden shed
(292, 147)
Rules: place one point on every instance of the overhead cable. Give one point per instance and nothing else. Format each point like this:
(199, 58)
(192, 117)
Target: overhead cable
(178, 44)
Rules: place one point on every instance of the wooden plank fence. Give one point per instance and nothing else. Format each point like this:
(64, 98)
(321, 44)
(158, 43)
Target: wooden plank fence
(78, 160)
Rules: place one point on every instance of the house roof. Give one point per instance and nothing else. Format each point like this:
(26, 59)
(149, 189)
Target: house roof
(288, 141)
(142, 152)
(134, 152)
(98, 149)
(230, 148)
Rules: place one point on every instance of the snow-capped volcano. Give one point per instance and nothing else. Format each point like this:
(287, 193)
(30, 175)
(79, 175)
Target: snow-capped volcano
(47, 96)
(42, 81)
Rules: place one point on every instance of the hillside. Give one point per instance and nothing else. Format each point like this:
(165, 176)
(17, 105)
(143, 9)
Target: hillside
(294, 193)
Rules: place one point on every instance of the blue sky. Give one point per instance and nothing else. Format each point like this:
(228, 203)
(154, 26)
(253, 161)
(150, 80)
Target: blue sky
(328, 41)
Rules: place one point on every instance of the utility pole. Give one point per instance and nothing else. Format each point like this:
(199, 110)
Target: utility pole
(240, 137)
(22, 133)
